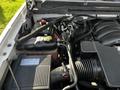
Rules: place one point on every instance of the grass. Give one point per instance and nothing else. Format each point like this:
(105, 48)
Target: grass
(7, 10)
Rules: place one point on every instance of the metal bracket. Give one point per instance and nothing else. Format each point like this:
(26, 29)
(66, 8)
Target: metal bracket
(30, 4)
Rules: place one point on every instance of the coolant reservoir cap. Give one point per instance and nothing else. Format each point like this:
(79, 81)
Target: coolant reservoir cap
(43, 38)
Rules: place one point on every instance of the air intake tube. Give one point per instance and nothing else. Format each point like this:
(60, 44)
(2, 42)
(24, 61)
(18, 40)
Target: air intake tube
(87, 70)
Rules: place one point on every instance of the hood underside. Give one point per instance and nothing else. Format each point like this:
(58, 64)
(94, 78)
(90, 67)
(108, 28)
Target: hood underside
(76, 6)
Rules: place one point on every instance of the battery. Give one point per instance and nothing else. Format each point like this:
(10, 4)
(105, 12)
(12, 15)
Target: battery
(32, 73)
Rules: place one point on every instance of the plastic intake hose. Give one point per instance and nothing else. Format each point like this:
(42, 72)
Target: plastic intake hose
(87, 70)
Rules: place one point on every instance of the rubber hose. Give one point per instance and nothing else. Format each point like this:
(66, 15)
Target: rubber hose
(57, 75)
(88, 69)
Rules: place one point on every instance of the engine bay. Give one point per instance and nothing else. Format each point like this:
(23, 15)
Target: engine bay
(67, 52)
